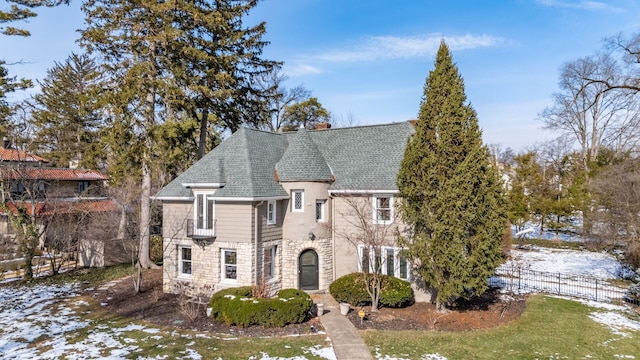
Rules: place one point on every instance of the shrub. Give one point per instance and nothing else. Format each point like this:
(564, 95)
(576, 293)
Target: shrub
(632, 255)
(155, 249)
(235, 306)
(351, 289)
(395, 292)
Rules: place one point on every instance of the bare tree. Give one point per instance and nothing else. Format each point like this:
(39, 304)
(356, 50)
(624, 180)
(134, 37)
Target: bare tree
(277, 98)
(22, 202)
(589, 112)
(628, 51)
(618, 190)
(371, 236)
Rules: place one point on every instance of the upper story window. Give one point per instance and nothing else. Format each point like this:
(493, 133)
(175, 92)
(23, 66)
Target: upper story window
(382, 209)
(30, 189)
(320, 210)
(204, 221)
(297, 200)
(82, 186)
(271, 212)
(204, 211)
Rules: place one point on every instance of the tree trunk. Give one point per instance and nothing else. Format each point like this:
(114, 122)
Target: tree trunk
(122, 223)
(28, 265)
(202, 142)
(145, 218)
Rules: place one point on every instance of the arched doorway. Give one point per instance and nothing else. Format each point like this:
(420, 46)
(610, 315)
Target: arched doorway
(308, 270)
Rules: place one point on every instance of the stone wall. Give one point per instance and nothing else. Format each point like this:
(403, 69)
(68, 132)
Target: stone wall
(290, 261)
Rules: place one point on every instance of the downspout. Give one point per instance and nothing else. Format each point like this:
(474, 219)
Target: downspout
(333, 235)
(255, 236)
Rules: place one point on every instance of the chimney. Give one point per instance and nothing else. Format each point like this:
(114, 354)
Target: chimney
(323, 126)
(6, 143)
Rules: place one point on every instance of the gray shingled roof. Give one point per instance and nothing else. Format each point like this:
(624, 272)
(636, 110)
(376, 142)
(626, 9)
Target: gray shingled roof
(364, 157)
(244, 163)
(358, 158)
(302, 161)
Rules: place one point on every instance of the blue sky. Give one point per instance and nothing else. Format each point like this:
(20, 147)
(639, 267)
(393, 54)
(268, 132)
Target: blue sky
(368, 59)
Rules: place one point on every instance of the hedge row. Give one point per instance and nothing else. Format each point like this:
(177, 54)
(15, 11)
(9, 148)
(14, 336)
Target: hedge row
(235, 306)
(351, 289)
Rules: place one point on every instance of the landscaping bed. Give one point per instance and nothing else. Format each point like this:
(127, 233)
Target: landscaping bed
(154, 306)
(490, 310)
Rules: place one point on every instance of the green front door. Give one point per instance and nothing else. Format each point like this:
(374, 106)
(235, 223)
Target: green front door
(308, 270)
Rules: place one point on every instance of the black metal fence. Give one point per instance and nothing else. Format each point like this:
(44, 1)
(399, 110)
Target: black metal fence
(521, 280)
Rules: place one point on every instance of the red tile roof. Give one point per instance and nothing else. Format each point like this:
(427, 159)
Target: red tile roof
(19, 155)
(36, 173)
(63, 207)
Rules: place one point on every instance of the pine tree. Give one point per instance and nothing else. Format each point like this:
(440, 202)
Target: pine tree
(451, 193)
(20, 10)
(67, 115)
(166, 57)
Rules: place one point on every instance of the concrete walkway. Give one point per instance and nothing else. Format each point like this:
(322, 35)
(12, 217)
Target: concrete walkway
(347, 343)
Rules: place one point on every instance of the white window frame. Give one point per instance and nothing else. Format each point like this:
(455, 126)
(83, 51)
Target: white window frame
(293, 200)
(223, 265)
(272, 212)
(323, 208)
(383, 261)
(376, 219)
(270, 271)
(182, 262)
(207, 225)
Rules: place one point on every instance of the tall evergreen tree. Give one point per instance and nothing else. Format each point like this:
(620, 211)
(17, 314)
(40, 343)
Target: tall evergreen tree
(216, 60)
(451, 193)
(132, 37)
(67, 116)
(20, 10)
(164, 57)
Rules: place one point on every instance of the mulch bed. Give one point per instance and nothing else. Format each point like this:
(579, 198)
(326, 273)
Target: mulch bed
(488, 311)
(154, 306)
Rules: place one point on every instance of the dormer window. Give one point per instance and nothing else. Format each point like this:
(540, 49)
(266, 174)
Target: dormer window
(203, 223)
(204, 212)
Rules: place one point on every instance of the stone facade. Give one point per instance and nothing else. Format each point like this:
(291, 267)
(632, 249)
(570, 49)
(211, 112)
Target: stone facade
(250, 235)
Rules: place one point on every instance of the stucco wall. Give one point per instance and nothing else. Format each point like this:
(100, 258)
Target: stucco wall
(298, 226)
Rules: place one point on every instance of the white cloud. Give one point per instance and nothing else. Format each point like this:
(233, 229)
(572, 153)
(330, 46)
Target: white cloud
(301, 70)
(583, 4)
(394, 47)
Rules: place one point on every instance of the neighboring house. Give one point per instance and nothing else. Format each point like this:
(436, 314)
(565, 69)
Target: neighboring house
(65, 201)
(273, 208)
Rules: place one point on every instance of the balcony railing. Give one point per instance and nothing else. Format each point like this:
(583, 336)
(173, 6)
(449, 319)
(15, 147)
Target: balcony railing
(205, 231)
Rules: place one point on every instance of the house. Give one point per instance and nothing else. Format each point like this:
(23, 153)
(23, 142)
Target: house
(65, 203)
(276, 208)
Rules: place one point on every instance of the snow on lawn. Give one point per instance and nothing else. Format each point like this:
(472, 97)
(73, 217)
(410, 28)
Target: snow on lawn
(577, 273)
(43, 322)
(573, 262)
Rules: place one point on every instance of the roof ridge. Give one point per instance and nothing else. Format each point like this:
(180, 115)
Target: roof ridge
(350, 127)
(248, 164)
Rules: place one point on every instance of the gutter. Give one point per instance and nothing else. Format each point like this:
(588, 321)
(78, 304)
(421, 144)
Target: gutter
(255, 236)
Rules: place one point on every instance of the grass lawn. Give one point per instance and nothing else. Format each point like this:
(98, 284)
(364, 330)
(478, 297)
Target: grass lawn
(108, 333)
(550, 328)
(41, 321)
